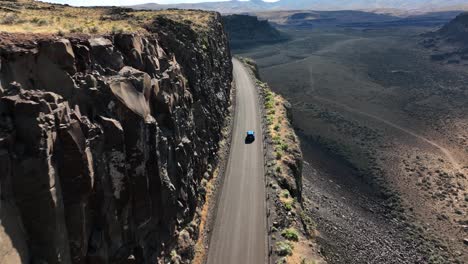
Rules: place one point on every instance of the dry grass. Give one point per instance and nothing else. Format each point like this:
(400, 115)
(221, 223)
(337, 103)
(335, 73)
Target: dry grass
(280, 130)
(37, 17)
(303, 253)
(200, 250)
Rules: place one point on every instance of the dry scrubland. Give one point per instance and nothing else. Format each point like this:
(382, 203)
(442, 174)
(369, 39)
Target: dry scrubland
(36, 17)
(398, 122)
(292, 232)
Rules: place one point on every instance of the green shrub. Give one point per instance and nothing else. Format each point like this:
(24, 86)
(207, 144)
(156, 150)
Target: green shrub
(277, 127)
(270, 120)
(309, 224)
(290, 234)
(93, 30)
(285, 194)
(288, 206)
(39, 21)
(281, 261)
(278, 169)
(305, 261)
(76, 30)
(268, 105)
(116, 30)
(279, 155)
(284, 248)
(284, 147)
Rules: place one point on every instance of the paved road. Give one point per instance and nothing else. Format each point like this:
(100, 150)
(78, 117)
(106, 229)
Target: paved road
(239, 234)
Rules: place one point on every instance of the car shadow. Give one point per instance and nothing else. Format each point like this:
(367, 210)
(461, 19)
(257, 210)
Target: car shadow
(249, 140)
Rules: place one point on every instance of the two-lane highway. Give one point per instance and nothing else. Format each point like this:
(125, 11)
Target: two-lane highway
(239, 234)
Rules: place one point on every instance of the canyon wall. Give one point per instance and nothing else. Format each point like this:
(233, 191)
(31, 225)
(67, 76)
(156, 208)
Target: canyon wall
(104, 141)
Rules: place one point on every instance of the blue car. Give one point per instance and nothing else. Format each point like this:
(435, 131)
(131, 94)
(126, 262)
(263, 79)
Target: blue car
(250, 137)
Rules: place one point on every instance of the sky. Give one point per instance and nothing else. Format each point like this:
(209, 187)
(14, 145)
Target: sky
(128, 2)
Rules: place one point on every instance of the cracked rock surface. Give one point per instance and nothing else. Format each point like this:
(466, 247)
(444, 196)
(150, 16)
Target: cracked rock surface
(104, 141)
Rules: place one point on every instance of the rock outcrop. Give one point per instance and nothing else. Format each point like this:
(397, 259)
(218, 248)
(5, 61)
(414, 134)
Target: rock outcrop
(104, 141)
(450, 43)
(247, 31)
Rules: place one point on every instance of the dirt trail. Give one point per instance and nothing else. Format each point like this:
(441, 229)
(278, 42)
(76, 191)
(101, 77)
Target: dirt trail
(443, 150)
(321, 52)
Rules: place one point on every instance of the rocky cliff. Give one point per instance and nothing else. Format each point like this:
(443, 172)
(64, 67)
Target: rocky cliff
(247, 31)
(449, 44)
(456, 31)
(104, 141)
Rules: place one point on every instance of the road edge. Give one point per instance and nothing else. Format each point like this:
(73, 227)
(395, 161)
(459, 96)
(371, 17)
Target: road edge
(290, 233)
(211, 204)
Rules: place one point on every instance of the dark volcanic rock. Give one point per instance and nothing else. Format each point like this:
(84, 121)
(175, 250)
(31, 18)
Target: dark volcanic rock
(104, 142)
(450, 43)
(246, 31)
(456, 31)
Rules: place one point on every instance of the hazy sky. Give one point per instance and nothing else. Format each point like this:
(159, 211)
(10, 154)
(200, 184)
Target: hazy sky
(128, 2)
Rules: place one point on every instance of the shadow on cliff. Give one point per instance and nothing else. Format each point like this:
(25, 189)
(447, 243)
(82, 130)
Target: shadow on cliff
(12, 235)
(11, 230)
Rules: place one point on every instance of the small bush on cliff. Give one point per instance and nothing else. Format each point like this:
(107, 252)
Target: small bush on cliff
(40, 22)
(278, 169)
(279, 155)
(117, 30)
(93, 30)
(284, 147)
(309, 224)
(284, 248)
(288, 205)
(290, 234)
(9, 19)
(305, 261)
(277, 140)
(270, 120)
(76, 30)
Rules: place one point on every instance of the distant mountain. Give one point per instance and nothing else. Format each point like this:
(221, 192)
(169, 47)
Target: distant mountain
(235, 6)
(229, 7)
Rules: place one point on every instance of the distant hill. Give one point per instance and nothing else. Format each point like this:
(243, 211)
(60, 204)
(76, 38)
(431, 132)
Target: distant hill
(236, 6)
(456, 31)
(229, 7)
(315, 18)
(450, 43)
(244, 30)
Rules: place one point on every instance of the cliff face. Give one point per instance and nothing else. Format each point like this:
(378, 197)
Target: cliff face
(246, 31)
(450, 43)
(456, 31)
(104, 141)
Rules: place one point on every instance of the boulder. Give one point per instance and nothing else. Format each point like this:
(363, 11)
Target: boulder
(59, 52)
(104, 52)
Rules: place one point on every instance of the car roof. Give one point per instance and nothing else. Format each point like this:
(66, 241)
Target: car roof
(250, 132)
